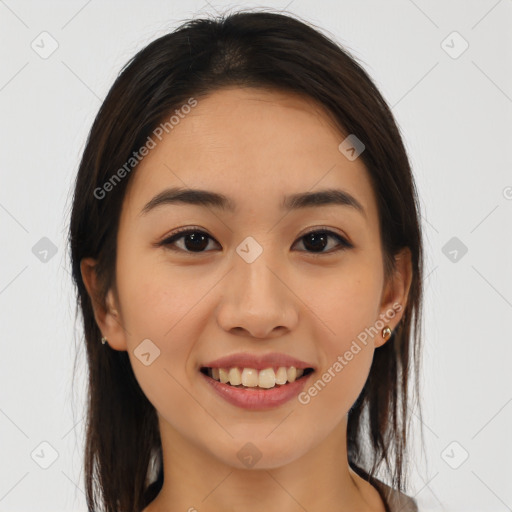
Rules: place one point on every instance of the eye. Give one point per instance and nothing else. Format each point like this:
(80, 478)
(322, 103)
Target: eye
(317, 240)
(195, 241)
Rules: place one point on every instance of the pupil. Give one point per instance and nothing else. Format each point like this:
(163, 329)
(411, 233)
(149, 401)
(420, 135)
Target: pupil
(198, 239)
(315, 238)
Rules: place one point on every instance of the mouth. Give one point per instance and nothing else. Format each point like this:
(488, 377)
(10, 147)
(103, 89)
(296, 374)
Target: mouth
(252, 378)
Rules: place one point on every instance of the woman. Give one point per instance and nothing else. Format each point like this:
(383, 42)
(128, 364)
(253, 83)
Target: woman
(245, 243)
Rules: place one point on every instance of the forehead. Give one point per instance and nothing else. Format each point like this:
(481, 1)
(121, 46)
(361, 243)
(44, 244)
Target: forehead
(253, 145)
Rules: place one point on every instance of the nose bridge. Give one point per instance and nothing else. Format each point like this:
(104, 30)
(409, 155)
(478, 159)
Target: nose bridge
(253, 263)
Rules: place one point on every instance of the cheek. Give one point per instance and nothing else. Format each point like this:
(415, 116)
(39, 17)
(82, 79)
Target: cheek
(159, 305)
(347, 305)
(158, 298)
(348, 310)
(333, 390)
(169, 316)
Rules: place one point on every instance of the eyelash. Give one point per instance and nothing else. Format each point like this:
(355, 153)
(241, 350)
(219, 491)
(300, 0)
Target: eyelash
(180, 233)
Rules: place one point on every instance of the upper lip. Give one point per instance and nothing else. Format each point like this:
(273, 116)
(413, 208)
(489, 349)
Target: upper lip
(258, 362)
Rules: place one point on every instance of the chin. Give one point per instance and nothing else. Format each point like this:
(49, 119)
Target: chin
(251, 452)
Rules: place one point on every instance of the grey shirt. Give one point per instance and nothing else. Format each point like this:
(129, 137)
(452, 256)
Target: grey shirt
(394, 500)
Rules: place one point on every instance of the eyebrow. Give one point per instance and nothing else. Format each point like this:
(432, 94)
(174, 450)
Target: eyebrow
(206, 198)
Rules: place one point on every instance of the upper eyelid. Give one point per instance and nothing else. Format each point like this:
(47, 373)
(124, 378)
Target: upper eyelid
(185, 230)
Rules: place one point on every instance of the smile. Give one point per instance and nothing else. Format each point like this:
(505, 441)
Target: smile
(256, 389)
(247, 378)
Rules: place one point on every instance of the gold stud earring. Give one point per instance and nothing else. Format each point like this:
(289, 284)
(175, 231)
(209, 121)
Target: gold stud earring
(103, 340)
(386, 332)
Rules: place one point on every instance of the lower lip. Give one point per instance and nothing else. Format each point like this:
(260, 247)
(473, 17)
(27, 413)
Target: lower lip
(257, 399)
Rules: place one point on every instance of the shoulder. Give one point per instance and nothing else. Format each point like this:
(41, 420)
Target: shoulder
(395, 500)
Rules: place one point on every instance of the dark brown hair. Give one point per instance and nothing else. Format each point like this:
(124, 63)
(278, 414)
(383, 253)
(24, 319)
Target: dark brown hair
(246, 49)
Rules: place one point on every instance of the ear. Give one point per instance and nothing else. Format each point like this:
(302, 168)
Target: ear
(396, 293)
(106, 314)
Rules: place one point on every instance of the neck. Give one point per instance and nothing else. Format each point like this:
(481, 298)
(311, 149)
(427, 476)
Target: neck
(320, 478)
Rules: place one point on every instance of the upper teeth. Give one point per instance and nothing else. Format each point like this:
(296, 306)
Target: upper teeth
(250, 377)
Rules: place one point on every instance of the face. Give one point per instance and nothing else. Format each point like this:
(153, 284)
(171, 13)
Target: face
(304, 282)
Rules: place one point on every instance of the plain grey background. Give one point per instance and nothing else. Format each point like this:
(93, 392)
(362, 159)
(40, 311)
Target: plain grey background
(446, 70)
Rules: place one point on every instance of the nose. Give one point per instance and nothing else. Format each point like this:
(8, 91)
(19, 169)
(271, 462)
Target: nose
(257, 300)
